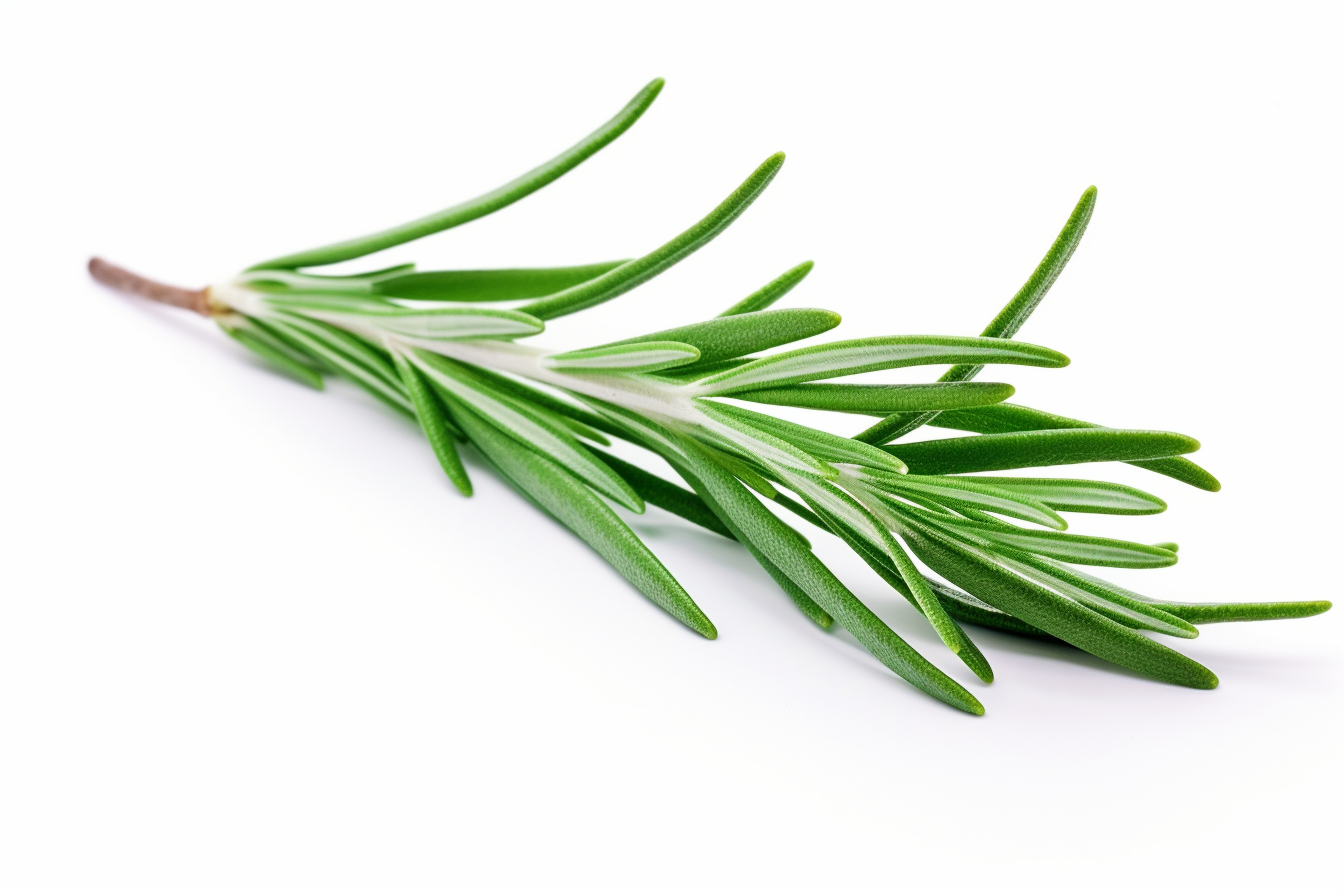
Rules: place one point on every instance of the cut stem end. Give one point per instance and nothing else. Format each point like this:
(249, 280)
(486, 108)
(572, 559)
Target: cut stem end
(108, 274)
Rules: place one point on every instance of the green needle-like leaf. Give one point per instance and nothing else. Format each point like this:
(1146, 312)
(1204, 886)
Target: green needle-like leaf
(818, 444)
(959, 493)
(881, 399)
(1077, 495)
(1051, 447)
(975, 570)
(659, 492)
(490, 286)
(435, 324)
(634, 357)
(725, 338)
(633, 273)
(753, 524)
(771, 292)
(273, 353)
(835, 359)
(1111, 601)
(482, 205)
(1008, 321)
(1089, 550)
(882, 564)
(1204, 614)
(354, 359)
(1016, 418)
(529, 425)
(571, 502)
(431, 416)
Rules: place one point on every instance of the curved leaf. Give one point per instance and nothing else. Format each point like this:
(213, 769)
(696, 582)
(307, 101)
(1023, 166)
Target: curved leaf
(1050, 447)
(1077, 495)
(771, 292)
(853, 356)
(492, 285)
(431, 417)
(633, 273)
(974, 570)
(1008, 321)
(1016, 418)
(482, 205)
(755, 525)
(634, 357)
(881, 399)
(571, 502)
(725, 338)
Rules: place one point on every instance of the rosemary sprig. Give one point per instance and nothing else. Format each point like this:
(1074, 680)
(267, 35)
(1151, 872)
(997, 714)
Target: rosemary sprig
(446, 348)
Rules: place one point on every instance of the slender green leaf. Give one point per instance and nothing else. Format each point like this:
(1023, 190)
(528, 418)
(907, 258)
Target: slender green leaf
(482, 205)
(498, 285)
(725, 338)
(697, 371)
(967, 608)
(571, 502)
(958, 493)
(274, 354)
(323, 343)
(1016, 418)
(733, 432)
(1050, 447)
(656, 438)
(882, 564)
(816, 443)
(1077, 495)
(755, 525)
(1007, 322)
(431, 416)
(881, 399)
(633, 273)
(1109, 600)
(635, 357)
(1204, 614)
(529, 425)
(851, 356)
(975, 570)
(771, 292)
(836, 506)
(1090, 550)
(439, 323)
(660, 493)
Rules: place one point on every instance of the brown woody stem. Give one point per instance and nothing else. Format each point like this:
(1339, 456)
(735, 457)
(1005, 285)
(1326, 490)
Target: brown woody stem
(119, 278)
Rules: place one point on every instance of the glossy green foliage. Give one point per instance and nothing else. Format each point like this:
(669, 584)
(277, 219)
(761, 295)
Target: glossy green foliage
(1016, 418)
(482, 205)
(1051, 447)
(669, 496)
(1007, 322)
(529, 425)
(771, 292)
(854, 398)
(852, 356)
(633, 357)
(978, 572)
(431, 414)
(275, 352)
(438, 347)
(489, 286)
(631, 274)
(1203, 614)
(753, 524)
(725, 338)
(1077, 495)
(569, 501)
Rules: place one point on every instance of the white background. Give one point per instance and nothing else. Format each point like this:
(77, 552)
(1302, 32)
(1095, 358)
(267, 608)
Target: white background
(252, 642)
